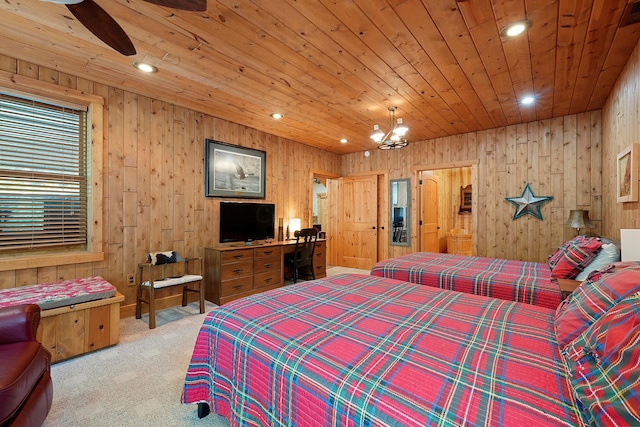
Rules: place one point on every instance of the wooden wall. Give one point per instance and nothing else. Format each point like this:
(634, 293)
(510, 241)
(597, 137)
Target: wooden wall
(154, 180)
(559, 157)
(621, 127)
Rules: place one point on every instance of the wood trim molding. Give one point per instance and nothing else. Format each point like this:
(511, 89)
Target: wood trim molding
(95, 109)
(448, 165)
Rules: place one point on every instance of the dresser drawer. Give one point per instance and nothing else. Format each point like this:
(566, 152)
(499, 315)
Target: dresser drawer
(234, 270)
(269, 278)
(236, 286)
(319, 271)
(263, 265)
(319, 254)
(237, 255)
(268, 252)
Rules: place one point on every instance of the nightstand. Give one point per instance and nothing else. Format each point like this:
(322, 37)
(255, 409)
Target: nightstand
(567, 286)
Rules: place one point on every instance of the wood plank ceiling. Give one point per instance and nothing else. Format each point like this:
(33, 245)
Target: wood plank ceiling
(333, 67)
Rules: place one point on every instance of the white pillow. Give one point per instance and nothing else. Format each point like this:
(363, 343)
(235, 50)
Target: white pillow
(608, 254)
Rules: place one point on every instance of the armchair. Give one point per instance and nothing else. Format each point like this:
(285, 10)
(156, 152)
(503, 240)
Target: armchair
(26, 389)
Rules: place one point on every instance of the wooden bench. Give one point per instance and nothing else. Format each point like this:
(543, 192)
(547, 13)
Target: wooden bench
(165, 270)
(69, 328)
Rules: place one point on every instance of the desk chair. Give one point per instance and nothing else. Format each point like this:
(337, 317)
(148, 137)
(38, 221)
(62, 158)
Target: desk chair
(301, 260)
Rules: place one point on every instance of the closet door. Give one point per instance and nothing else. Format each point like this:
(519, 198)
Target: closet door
(358, 221)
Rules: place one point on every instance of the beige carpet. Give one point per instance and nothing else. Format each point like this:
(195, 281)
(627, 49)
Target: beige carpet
(137, 382)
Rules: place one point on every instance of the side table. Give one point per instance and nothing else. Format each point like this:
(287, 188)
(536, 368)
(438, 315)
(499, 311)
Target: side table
(567, 286)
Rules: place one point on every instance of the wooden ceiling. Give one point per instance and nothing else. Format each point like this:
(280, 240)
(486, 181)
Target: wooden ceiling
(333, 67)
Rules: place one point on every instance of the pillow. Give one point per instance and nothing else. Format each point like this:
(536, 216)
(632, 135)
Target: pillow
(601, 291)
(577, 254)
(555, 257)
(157, 258)
(608, 254)
(603, 366)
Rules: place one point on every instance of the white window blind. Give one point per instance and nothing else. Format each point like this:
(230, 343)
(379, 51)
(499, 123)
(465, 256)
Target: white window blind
(43, 176)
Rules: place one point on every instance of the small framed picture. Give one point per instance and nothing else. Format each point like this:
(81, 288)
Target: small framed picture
(627, 173)
(233, 171)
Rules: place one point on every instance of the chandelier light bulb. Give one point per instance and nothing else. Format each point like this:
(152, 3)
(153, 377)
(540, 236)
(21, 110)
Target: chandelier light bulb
(377, 134)
(400, 128)
(395, 137)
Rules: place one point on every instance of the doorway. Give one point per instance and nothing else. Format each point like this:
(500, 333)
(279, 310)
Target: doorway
(444, 194)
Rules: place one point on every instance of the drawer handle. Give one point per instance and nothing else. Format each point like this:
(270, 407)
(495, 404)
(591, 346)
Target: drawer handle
(237, 270)
(268, 265)
(267, 280)
(237, 286)
(268, 252)
(238, 256)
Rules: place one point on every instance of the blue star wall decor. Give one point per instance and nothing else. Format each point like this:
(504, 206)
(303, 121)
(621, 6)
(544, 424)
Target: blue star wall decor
(528, 203)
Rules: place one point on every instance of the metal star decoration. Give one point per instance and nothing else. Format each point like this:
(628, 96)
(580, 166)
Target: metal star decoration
(528, 203)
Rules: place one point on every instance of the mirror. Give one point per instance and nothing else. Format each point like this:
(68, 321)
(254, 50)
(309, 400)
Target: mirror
(400, 212)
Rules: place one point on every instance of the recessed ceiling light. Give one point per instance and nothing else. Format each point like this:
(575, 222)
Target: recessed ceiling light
(344, 140)
(527, 100)
(276, 116)
(147, 68)
(516, 28)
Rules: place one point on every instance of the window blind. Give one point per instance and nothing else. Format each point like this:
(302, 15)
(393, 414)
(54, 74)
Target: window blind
(43, 175)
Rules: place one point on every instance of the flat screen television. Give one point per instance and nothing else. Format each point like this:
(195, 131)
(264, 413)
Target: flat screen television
(246, 222)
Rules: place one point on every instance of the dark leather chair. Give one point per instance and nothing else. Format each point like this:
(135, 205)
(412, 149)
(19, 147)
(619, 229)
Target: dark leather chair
(300, 262)
(26, 389)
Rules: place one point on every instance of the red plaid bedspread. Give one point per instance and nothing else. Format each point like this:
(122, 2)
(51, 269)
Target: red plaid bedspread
(511, 280)
(357, 350)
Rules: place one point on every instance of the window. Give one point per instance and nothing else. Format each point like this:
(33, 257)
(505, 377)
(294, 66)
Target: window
(43, 176)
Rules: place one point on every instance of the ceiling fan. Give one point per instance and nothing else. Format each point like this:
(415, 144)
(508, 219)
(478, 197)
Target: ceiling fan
(103, 26)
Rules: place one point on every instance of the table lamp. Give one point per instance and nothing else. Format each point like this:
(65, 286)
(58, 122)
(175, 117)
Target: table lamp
(579, 219)
(630, 244)
(294, 225)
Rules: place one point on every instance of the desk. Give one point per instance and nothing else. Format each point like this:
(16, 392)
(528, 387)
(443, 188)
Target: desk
(236, 271)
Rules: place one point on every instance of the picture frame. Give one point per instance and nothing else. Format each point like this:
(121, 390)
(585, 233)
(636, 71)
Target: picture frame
(234, 171)
(627, 164)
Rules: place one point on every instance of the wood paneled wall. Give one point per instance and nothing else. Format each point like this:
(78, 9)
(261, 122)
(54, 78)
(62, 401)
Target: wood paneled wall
(154, 180)
(559, 157)
(621, 127)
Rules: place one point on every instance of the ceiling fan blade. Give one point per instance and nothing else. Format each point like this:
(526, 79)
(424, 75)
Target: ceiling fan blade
(103, 26)
(190, 5)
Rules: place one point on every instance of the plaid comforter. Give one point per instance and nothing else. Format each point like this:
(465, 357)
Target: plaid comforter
(356, 350)
(511, 280)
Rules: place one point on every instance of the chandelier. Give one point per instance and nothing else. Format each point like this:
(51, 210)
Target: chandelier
(395, 137)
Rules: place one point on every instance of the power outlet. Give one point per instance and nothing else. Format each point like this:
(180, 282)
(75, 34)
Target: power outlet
(130, 278)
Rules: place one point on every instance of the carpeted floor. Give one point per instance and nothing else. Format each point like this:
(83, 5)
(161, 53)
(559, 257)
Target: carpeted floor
(137, 382)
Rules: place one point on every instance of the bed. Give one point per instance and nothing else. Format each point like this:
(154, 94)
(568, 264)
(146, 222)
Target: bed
(359, 350)
(511, 280)
(522, 281)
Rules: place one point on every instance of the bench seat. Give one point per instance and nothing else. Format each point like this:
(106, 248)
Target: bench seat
(58, 294)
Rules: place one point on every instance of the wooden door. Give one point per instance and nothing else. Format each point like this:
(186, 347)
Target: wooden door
(429, 234)
(358, 227)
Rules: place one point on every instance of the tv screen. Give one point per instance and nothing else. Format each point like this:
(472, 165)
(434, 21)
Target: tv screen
(244, 222)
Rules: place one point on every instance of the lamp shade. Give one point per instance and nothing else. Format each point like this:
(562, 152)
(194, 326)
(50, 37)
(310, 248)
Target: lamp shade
(630, 244)
(579, 219)
(294, 225)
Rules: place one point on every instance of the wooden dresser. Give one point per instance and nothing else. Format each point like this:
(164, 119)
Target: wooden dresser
(233, 272)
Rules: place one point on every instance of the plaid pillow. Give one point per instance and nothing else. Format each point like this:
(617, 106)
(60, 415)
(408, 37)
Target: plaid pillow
(603, 366)
(577, 254)
(601, 291)
(555, 257)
